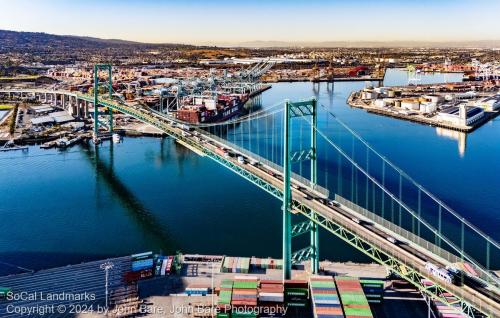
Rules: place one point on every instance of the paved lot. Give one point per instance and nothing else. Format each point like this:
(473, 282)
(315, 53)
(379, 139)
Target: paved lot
(62, 291)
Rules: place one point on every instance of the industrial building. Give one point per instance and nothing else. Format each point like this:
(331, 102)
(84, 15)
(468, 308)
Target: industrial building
(52, 118)
(491, 103)
(461, 115)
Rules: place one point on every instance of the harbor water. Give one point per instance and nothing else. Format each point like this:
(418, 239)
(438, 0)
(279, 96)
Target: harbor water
(60, 207)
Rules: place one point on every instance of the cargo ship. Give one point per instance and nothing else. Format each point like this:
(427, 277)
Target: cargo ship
(198, 110)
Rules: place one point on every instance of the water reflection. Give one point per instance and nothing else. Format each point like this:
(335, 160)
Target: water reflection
(459, 136)
(128, 200)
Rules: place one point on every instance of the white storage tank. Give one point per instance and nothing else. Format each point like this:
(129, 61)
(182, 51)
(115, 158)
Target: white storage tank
(428, 107)
(380, 103)
(410, 104)
(369, 95)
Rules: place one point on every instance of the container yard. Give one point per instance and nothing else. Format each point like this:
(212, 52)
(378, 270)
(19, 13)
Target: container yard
(195, 285)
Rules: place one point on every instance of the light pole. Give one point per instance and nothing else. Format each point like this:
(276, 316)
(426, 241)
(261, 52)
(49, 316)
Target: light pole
(106, 267)
(212, 291)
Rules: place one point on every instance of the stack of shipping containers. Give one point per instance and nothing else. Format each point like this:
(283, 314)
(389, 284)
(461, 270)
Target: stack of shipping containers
(244, 297)
(325, 300)
(164, 265)
(271, 295)
(354, 302)
(236, 265)
(445, 311)
(297, 296)
(373, 289)
(142, 267)
(266, 263)
(225, 295)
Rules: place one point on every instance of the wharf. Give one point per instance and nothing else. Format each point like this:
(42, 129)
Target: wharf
(260, 90)
(488, 115)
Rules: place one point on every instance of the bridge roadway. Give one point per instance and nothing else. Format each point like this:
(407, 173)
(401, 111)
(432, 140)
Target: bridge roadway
(339, 220)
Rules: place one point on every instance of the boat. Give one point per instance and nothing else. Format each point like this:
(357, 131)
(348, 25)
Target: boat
(11, 146)
(62, 142)
(48, 145)
(198, 110)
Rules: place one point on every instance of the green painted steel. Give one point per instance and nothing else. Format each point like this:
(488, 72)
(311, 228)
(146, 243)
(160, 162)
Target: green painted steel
(302, 255)
(97, 68)
(301, 228)
(110, 89)
(287, 197)
(96, 102)
(314, 181)
(292, 110)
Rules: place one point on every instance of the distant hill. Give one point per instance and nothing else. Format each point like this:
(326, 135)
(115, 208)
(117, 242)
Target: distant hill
(23, 40)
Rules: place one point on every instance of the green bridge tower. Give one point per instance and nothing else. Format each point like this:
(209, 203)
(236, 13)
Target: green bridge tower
(97, 68)
(295, 110)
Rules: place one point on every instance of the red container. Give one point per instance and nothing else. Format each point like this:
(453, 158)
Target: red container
(271, 281)
(328, 311)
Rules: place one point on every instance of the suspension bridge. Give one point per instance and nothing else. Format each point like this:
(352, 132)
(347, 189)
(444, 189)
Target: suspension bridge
(329, 178)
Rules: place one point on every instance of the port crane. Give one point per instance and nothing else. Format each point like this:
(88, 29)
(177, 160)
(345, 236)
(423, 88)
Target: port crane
(243, 82)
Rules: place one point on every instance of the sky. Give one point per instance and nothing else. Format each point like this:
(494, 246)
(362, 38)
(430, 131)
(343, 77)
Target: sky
(223, 21)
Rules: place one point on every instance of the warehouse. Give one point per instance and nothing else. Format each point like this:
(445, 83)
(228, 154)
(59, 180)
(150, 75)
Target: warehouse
(56, 117)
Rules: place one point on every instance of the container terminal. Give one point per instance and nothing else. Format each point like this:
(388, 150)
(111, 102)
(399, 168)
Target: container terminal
(192, 285)
(189, 95)
(461, 107)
